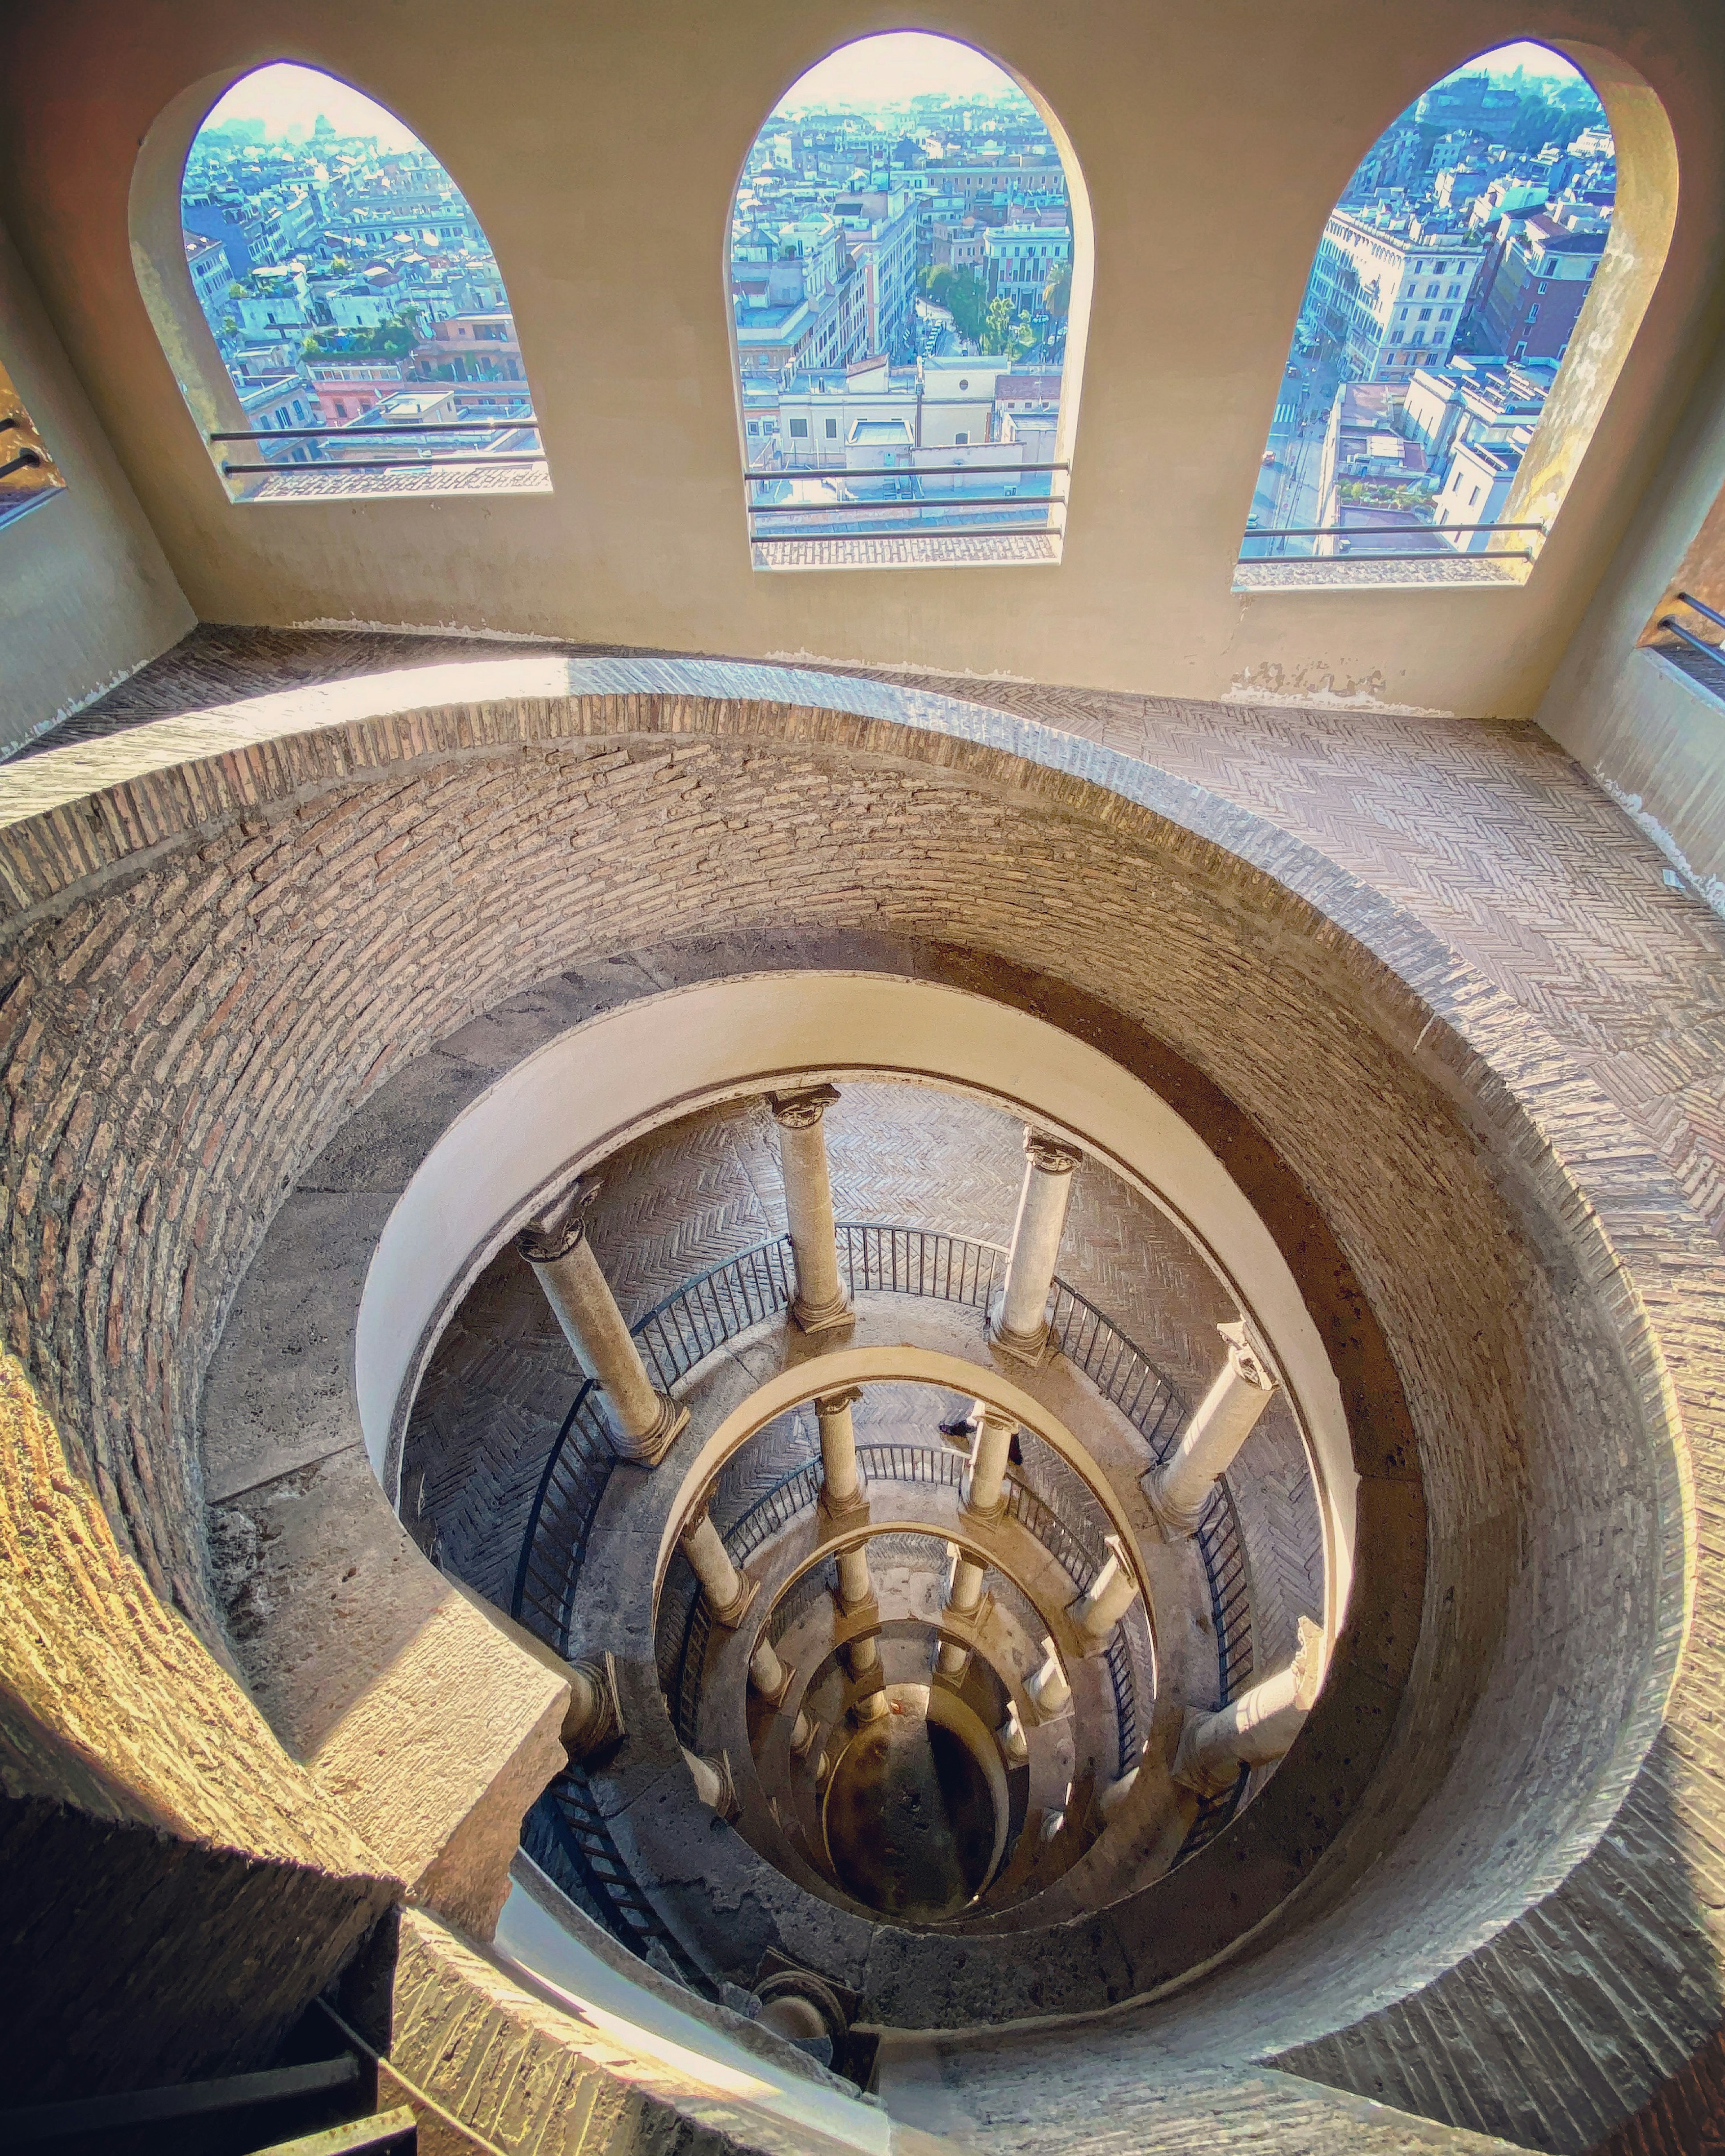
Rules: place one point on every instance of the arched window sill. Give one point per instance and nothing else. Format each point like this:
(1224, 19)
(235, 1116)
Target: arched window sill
(1480, 571)
(314, 483)
(929, 549)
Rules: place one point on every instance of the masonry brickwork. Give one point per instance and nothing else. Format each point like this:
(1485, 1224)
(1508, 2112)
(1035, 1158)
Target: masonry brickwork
(224, 931)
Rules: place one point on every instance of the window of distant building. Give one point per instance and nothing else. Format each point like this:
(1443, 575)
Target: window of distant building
(1509, 166)
(28, 474)
(946, 362)
(334, 313)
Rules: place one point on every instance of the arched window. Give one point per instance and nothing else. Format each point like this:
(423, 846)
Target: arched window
(1429, 419)
(337, 318)
(909, 273)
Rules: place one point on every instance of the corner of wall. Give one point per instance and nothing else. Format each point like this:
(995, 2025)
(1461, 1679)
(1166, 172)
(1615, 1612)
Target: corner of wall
(89, 597)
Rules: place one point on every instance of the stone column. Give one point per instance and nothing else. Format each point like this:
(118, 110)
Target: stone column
(964, 1596)
(768, 1674)
(728, 1591)
(863, 1657)
(644, 1423)
(1180, 1488)
(1254, 1729)
(1107, 1599)
(713, 1784)
(856, 1587)
(984, 1487)
(1116, 1793)
(1014, 1745)
(594, 1717)
(802, 1735)
(1021, 1325)
(1047, 1686)
(820, 1300)
(841, 1491)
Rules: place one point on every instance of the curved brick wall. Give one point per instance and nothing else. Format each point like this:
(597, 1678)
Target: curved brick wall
(209, 962)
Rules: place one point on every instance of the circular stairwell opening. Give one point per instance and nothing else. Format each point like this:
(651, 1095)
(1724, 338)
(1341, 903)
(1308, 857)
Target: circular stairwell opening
(911, 1814)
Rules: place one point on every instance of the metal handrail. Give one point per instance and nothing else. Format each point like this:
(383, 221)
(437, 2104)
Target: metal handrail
(793, 471)
(907, 502)
(1695, 643)
(392, 463)
(576, 1470)
(1688, 600)
(358, 430)
(877, 1257)
(1409, 554)
(927, 531)
(894, 1460)
(1355, 532)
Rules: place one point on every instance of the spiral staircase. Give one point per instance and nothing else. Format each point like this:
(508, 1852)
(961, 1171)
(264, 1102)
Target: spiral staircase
(896, 1680)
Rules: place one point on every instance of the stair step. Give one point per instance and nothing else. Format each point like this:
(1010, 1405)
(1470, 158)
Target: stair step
(395, 2131)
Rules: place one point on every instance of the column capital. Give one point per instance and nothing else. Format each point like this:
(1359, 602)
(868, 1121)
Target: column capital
(802, 1110)
(560, 1227)
(827, 1404)
(1052, 1156)
(1248, 1356)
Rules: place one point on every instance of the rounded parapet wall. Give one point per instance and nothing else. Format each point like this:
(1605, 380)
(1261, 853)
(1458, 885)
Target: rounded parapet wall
(242, 921)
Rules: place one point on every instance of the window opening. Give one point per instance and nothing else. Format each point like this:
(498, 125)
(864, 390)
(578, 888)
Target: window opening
(1509, 164)
(364, 343)
(28, 474)
(909, 250)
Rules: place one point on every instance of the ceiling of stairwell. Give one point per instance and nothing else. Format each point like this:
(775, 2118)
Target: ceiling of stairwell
(693, 1194)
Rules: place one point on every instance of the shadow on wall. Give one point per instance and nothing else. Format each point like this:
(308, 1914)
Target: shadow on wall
(177, 1889)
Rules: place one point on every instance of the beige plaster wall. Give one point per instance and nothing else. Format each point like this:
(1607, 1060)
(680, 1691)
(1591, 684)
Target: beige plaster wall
(600, 147)
(1643, 727)
(86, 594)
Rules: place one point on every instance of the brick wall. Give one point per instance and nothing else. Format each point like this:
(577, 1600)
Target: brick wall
(209, 962)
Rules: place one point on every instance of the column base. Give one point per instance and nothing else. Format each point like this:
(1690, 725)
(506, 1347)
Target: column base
(841, 1515)
(983, 1513)
(871, 1707)
(1033, 1348)
(822, 1317)
(734, 1611)
(1177, 1522)
(649, 1449)
(603, 1725)
(953, 1678)
(776, 1700)
(1203, 1782)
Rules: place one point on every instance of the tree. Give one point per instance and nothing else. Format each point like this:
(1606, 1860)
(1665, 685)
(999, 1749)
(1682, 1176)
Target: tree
(961, 293)
(1057, 292)
(1002, 337)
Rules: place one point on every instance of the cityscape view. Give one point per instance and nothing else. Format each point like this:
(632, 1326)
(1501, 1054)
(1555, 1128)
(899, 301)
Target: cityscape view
(900, 280)
(1441, 305)
(355, 301)
(900, 276)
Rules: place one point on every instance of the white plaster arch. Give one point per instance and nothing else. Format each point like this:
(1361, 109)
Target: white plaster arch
(581, 1096)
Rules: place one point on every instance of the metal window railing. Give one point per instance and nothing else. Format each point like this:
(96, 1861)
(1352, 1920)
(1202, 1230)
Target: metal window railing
(908, 511)
(1699, 643)
(1387, 543)
(433, 443)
